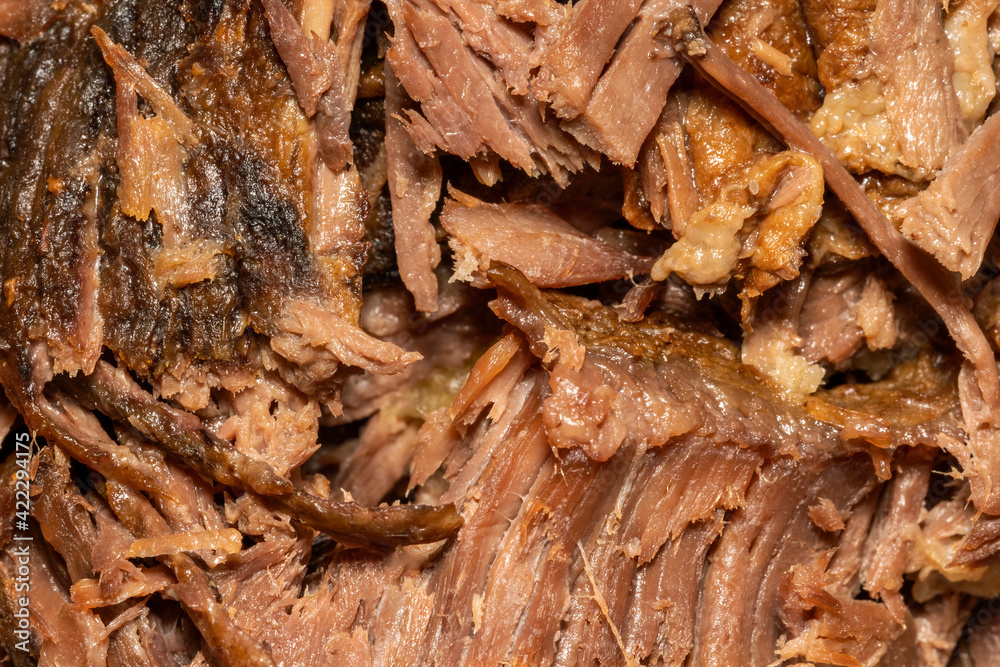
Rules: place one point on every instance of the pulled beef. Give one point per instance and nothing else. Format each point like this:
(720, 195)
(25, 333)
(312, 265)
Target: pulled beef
(916, 71)
(845, 310)
(617, 117)
(954, 218)
(445, 332)
(415, 187)
(894, 65)
(549, 250)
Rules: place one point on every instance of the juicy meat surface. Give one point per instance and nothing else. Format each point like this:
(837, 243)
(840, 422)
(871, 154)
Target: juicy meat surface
(954, 218)
(494, 332)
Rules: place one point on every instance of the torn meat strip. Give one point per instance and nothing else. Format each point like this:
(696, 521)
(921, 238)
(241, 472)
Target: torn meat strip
(892, 536)
(455, 64)
(843, 311)
(954, 218)
(670, 385)
(443, 123)
(312, 63)
(844, 631)
(891, 102)
(467, 108)
(618, 116)
(194, 588)
(415, 187)
(402, 404)
(550, 251)
(738, 612)
(572, 63)
(65, 517)
(910, 59)
(317, 69)
(590, 531)
(502, 42)
(61, 633)
(978, 453)
(185, 437)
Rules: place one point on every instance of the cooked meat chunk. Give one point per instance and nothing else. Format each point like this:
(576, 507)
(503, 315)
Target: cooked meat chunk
(891, 99)
(543, 246)
(954, 218)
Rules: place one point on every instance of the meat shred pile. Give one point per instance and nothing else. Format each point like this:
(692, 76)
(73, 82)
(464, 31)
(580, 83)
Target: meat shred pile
(499, 332)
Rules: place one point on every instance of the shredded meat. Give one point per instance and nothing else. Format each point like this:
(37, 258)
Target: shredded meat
(926, 277)
(915, 69)
(954, 218)
(415, 186)
(544, 247)
(494, 332)
(892, 103)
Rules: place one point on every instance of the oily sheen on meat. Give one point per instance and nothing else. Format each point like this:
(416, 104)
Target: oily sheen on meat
(499, 332)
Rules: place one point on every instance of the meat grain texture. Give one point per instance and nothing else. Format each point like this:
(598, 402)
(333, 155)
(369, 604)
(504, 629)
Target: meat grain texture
(495, 332)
